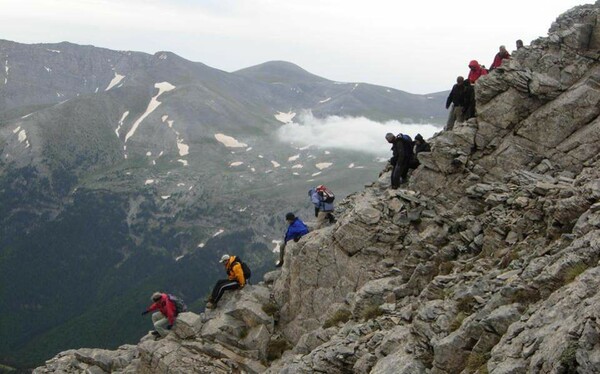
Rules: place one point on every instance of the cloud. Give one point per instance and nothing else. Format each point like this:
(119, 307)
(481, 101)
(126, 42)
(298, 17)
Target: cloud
(349, 133)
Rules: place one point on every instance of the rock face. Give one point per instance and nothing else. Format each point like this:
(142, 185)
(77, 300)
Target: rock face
(487, 262)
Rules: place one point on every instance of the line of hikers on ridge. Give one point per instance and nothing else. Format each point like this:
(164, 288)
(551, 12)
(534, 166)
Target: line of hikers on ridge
(166, 307)
(462, 95)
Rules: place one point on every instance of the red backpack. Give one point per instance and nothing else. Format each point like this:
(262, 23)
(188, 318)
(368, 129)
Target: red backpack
(325, 193)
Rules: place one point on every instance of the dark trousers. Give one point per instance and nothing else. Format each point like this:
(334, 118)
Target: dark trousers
(399, 174)
(222, 286)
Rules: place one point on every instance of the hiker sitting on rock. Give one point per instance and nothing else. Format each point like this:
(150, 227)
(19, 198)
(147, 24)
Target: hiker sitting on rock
(296, 229)
(165, 316)
(235, 280)
(500, 56)
(322, 198)
(420, 146)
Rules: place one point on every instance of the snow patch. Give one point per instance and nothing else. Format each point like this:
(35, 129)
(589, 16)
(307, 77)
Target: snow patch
(285, 117)
(180, 184)
(183, 162)
(179, 257)
(149, 181)
(164, 117)
(27, 115)
(97, 88)
(323, 165)
(165, 197)
(294, 158)
(218, 233)
(315, 174)
(237, 163)
(327, 152)
(154, 103)
(351, 166)
(305, 147)
(116, 80)
(229, 141)
(148, 153)
(253, 170)
(53, 50)
(275, 164)
(260, 156)
(248, 149)
(17, 130)
(243, 209)
(121, 122)
(201, 245)
(324, 101)
(355, 85)
(47, 69)
(297, 166)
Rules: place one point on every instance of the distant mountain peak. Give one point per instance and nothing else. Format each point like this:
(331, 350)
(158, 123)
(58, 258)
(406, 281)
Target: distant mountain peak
(279, 71)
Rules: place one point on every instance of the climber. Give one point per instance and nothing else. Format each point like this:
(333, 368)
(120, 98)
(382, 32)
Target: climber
(476, 71)
(235, 280)
(421, 145)
(296, 229)
(402, 156)
(322, 199)
(500, 56)
(165, 316)
(469, 101)
(457, 99)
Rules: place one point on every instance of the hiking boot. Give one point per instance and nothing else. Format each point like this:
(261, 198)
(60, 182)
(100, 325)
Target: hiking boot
(154, 333)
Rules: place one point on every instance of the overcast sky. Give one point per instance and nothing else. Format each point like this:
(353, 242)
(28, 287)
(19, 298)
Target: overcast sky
(415, 46)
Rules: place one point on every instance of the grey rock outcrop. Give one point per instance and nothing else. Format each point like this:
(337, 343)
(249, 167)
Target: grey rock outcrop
(488, 260)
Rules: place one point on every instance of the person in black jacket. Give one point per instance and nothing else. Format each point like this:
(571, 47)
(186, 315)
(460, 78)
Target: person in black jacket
(457, 99)
(402, 155)
(469, 101)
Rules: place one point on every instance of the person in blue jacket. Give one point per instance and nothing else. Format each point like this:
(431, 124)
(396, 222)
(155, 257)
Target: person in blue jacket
(323, 209)
(296, 229)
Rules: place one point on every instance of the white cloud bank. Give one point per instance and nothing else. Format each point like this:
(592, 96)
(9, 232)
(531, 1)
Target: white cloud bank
(350, 133)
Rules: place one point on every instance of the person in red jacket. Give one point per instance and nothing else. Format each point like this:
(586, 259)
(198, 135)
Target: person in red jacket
(476, 71)
(500, 56)
(166, 313)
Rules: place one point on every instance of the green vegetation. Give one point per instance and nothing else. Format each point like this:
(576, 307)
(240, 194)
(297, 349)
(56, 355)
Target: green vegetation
(568, 358)
(340, 316)
(574, 271)
(477, 362)
(371, 312)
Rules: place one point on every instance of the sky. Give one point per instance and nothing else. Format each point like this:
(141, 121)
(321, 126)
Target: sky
(414, 46)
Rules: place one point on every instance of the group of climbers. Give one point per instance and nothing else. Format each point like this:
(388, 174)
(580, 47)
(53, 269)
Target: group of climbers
(404, 156)
(462, 95)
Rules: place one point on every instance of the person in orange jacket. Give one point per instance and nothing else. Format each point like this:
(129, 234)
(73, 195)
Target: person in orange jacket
(235, 280)
(164, 316)
(476, 71)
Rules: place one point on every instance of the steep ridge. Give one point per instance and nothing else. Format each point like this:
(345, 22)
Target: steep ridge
(487, 262)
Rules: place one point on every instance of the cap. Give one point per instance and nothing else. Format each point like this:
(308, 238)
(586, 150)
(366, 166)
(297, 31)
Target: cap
(224, 258)
(290, 216)
(156, 296)
(390, 137)
(419, 137)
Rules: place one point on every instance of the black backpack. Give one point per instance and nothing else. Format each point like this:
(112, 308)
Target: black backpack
(408, 146)
(179, 304)
(245, 268)
(325, 193)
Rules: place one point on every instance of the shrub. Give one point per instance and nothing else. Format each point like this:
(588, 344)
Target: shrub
(573, 272)
(568, 359)
(477, 362)
(371, 311)
(270, 309)
(342, 315)
(276, 347)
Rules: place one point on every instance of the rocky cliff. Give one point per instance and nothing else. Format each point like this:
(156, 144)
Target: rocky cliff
(488, 260)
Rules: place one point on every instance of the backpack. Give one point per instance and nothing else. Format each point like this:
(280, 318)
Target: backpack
(245, 268)
(325, 193)
(409, 144)
(179, 304)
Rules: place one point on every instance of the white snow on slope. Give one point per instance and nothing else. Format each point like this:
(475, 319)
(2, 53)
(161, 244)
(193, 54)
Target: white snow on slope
(294, 158)
(179, 257)
(285, 117)
(116, 80)
(17, 130)
(165, 197)
(324, 101)
(47, 69)
(297, 166)
(315, 174)
(351, 166)
(154, 103)
(149, 181)
(183, 148)
(53, 50)
(184, 162)
(275, 164)
(323, 165)
(218, 233)
(229, 141)
(6, 68)
(355, 85)
(201, 245)
(237, 163)
(121, 123)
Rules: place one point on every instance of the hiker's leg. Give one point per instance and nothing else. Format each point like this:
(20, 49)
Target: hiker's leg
(216, 288)
(396, 176)
(458, 114)
(230, 285)
(321, 218)
(282, 252)
(451, 119)
(160, 323)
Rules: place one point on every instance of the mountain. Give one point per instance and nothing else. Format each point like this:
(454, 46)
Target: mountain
(486, 262)
(123, 172)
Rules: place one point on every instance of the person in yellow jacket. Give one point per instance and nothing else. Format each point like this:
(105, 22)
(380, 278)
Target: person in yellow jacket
(234, 281)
